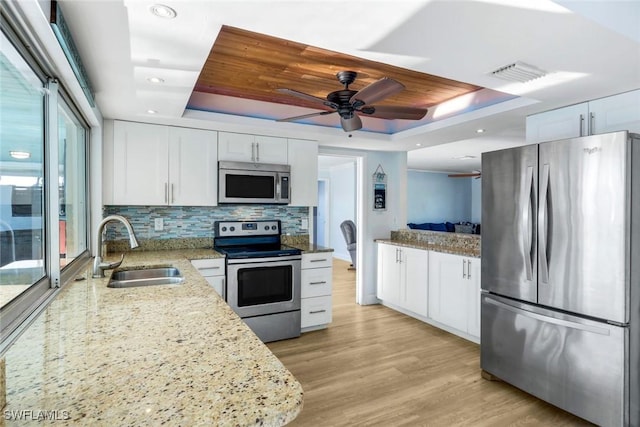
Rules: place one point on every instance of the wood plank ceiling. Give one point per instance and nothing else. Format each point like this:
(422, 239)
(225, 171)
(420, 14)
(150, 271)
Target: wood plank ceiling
(250, 65)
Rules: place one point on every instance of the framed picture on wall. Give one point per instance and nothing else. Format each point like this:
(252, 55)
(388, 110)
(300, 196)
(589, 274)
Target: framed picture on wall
(379, 196)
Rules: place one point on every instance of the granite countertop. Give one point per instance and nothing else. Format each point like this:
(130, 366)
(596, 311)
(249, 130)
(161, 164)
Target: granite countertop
(302, 242)
(450, 243)
(167, 354)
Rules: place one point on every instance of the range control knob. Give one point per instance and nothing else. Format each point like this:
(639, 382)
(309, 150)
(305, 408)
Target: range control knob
(273, 227)
(224, 228)
(232, 229)
(266, 227)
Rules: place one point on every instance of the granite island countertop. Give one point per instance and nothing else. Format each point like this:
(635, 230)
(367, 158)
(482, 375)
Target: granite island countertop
(450, 243)
(167, 354)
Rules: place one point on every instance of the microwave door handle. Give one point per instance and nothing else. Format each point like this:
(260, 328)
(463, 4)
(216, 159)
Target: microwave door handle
(278, 185)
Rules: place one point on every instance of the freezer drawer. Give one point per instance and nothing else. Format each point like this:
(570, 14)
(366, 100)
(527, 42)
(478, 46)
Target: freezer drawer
(573, 363)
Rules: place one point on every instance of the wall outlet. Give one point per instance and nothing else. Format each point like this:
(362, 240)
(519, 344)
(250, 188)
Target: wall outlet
(304, 224)
(158, 224)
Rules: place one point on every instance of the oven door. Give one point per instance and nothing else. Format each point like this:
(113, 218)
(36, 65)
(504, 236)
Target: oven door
(258, 286)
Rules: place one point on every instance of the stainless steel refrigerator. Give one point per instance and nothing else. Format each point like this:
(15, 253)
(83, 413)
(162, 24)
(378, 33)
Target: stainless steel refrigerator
(560, 311)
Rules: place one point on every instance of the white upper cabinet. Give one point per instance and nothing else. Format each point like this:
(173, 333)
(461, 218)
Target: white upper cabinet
(620, 112)
(303, 158)
(240, 147)
(567, 122)
(140, 164)
(156, 165)
(610, 114)
(193, 173)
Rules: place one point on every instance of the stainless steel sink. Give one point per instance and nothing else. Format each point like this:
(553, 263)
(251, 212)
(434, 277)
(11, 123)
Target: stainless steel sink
(145, 277)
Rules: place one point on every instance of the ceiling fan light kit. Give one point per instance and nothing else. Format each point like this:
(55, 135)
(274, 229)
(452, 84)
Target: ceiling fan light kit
(350, 103)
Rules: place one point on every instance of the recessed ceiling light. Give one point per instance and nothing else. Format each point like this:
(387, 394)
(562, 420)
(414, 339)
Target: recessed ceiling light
(151, 111)
(163, 11)
(20, 155)
(155, 80)
(480, 130)
(418, 145)
(464, 157)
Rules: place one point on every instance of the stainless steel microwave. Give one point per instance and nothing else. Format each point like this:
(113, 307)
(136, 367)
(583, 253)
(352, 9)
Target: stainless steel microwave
(240, 182)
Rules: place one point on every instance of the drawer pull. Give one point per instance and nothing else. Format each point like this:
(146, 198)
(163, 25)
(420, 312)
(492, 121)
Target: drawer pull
(317, 311)
(318, 260)
(317, 283)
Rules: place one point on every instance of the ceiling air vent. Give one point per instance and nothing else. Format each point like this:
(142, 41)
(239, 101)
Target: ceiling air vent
(518, 72)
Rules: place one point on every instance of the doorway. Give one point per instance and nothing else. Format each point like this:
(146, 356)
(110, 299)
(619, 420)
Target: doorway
(338, 200)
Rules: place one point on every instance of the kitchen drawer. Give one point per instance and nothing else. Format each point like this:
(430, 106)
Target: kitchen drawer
(315, 311)
(209, 267)
(317, 260)
(316, 282)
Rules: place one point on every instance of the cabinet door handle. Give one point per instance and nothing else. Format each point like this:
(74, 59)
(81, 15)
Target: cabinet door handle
(318, 283)
(166, 192)
(317, 311)
(581, 124)
(469, 269)
(253, 151)
(318, 260)
(257, 152)
(173, 194)
(592, 129)
(464, 268)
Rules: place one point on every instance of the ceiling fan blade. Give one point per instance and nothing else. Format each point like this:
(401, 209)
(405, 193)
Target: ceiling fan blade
(376, 91)
(395, 112)
(306, 96)
(306, 116)
(349, 125)
(465, 175)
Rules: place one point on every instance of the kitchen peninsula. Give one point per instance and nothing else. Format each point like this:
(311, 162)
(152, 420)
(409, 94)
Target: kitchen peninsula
(174, 354)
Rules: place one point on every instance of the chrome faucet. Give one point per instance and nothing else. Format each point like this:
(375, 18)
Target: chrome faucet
(98, 265)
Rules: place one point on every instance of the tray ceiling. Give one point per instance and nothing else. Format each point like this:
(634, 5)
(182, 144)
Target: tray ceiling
(249, 65)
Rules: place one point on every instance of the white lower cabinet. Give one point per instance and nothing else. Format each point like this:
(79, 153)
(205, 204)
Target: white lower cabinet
(402, 277)
(316, 288)
(454, 292)
(438, 288)
(213, 271)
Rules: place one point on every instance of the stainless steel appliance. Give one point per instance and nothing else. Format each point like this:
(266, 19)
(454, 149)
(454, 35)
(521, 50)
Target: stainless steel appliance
(263, 277)
(240, 182)
(561, 273)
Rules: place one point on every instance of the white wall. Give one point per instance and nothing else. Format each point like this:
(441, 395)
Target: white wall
(379, 224)
(434, 197)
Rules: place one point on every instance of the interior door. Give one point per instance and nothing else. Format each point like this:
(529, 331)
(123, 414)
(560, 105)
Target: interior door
(509, 203)
(582, 224)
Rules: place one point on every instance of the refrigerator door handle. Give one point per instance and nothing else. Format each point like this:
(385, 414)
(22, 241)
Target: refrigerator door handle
(527, 227)
(543, 226)
(547, 319)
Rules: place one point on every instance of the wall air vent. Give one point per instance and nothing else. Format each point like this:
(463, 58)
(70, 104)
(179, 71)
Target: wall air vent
(518, 72)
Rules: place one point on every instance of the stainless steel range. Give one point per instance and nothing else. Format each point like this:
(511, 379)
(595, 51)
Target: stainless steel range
(263, 277)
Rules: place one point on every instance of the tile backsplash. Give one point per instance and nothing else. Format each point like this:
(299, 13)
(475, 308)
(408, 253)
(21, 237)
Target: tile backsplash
(197, 221)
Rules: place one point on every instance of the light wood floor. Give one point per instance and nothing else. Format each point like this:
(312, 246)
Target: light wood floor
(374, 366)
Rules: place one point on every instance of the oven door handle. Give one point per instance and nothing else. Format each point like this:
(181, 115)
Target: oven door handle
(233, 261)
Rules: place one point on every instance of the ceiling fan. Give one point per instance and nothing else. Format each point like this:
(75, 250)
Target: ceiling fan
(474, 174)
(350, 103)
